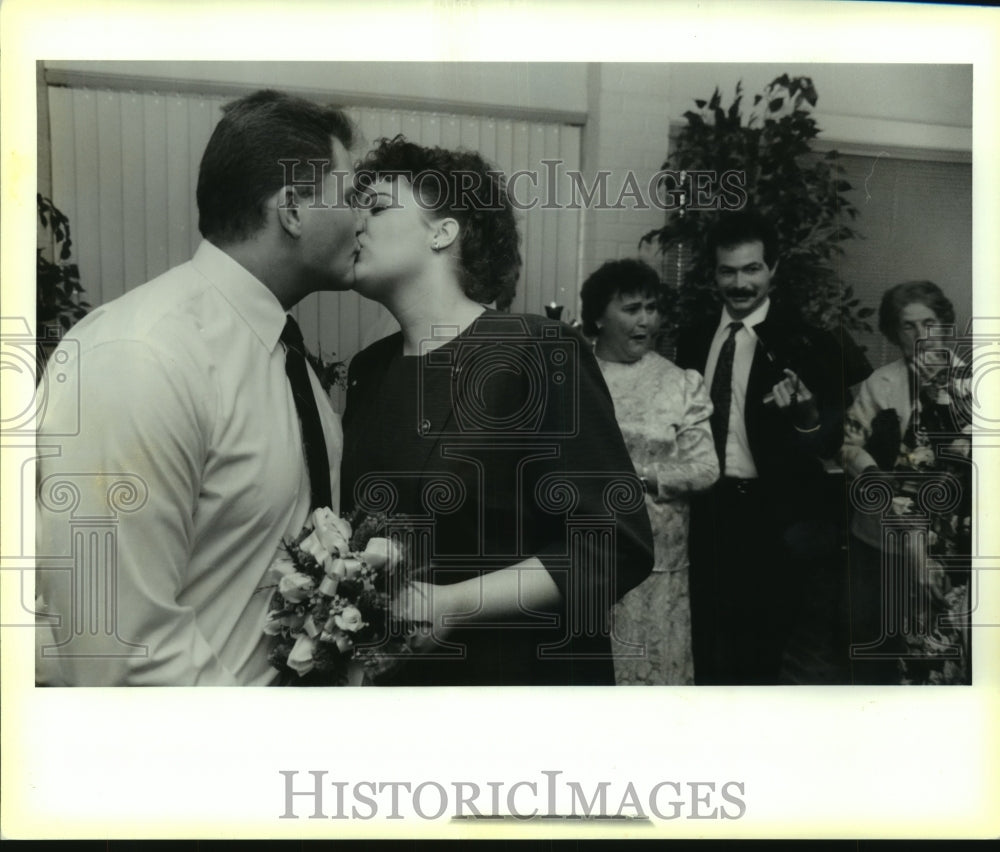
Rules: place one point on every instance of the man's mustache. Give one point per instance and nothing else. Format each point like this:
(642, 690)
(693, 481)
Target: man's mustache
(740, 291)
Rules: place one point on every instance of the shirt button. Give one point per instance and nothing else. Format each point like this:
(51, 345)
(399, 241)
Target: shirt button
(424, 428)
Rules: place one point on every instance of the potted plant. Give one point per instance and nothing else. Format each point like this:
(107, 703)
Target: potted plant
(57, 281)
(800, 191)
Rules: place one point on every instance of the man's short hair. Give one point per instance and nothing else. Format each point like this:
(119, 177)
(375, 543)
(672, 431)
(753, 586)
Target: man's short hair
(242, 164)
(744, 226)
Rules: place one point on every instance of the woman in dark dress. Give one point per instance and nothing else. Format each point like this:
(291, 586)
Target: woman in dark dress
(489, 439)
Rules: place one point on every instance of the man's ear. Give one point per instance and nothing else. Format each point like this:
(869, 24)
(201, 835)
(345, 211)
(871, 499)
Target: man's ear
(775, 267)
(444, 232)
(288, 204)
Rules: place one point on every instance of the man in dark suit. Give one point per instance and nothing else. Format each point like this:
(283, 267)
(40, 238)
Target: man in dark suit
(777, 392)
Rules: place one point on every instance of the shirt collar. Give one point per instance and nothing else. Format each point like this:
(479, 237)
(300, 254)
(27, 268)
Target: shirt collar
(755, 317)
(249, 297)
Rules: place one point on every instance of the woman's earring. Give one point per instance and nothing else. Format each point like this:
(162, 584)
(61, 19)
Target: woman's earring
(434, 245)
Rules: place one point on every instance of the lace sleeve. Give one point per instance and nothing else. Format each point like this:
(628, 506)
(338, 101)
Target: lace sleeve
(694, 466)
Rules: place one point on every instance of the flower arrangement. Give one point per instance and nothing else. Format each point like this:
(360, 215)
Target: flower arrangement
(330, 611)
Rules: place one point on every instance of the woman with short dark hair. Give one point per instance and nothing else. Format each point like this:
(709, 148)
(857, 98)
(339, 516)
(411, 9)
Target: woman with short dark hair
(663, 412)
(492, 434)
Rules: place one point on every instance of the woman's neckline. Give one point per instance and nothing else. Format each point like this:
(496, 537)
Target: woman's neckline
(634, 363)
(401, 354)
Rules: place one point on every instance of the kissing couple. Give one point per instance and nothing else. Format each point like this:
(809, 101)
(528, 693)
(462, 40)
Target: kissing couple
(192, 440)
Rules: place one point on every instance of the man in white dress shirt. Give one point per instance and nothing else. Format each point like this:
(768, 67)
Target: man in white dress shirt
(776, 387)
(172, 461)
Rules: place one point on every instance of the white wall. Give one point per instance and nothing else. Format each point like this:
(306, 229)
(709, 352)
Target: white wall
(927, 94)
(926, 104)
(907, 108)
(554, 86)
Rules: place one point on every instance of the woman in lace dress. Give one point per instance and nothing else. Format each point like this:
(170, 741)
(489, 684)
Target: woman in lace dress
(663, 413)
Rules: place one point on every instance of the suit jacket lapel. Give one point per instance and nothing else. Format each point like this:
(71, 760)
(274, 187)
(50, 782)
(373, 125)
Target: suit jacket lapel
(767, 363)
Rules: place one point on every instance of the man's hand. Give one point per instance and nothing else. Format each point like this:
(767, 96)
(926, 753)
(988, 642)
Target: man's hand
(791, 394)
(790, 391)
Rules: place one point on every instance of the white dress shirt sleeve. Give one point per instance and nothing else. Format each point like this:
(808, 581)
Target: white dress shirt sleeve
(124, 625)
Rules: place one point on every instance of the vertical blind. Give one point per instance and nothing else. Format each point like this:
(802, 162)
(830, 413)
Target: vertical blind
(915, 222)
(125, 166)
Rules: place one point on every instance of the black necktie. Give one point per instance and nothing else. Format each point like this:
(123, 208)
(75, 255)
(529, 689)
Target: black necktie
(313, 442)
(722, 393)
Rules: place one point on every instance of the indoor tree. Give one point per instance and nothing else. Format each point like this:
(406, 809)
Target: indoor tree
(800, 191)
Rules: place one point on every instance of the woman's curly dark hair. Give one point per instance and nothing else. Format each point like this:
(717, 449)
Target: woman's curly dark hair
(460, 184)
(626, 276)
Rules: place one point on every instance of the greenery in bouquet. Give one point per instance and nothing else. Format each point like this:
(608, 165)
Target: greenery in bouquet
(330, 613)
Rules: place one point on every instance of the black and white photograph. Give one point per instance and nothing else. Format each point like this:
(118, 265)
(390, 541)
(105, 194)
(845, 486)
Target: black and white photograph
(556, 375)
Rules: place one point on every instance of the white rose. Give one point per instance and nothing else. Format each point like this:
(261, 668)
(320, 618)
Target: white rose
(379, 551)
(343, 526)
(322, 517)
(272, 627)
(296, 587)
(329, 532)
(349, 620)
(281, 566)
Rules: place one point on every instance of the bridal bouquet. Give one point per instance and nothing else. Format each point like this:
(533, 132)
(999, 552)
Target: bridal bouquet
(330, 610)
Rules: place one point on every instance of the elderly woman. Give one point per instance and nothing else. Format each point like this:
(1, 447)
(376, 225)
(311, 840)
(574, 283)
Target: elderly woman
(491, 433)
(663, 412)
(910, 555)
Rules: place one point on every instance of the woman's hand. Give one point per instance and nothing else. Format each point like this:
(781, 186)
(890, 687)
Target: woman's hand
(659, 491)
(423, 606)
(516, 592)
